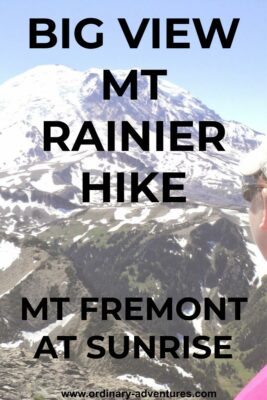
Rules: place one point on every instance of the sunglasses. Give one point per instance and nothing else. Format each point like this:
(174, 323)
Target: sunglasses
(250, 190)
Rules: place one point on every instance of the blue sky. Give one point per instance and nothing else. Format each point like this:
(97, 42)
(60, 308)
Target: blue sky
(232, 81)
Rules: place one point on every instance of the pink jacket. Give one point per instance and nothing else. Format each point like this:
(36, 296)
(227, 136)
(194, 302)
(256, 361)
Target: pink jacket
(256, 389)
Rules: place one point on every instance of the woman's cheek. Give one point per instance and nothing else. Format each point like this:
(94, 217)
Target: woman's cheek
(260, 236)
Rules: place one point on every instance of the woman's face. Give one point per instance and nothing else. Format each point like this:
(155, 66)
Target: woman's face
(258, 217)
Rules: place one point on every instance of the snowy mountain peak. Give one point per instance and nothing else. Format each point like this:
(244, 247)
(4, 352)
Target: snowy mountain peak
(56, 92)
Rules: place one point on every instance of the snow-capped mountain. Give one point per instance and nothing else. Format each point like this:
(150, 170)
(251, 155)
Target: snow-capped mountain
(60, 93)
(51, 244)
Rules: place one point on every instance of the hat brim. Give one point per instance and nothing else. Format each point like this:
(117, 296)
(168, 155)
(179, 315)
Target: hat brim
(251, 163)
(256, 160)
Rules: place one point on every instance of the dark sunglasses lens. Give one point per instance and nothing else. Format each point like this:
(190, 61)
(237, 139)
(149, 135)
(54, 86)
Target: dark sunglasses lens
(248, 194)
(250, 191)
